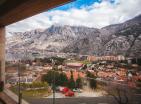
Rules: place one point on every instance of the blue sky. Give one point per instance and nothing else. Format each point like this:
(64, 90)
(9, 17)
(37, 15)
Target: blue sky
(89, 13)
(79, 3)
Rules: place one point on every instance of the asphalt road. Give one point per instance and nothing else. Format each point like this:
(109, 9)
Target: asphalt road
(84, 100)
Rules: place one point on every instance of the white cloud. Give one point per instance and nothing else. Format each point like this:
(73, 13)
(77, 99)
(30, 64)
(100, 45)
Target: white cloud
(97, 15)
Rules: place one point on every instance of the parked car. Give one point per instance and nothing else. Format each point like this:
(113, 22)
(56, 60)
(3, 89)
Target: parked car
(65, 90)
(77, 90)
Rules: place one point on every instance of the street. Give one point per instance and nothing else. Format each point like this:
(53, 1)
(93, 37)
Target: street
(82, 100)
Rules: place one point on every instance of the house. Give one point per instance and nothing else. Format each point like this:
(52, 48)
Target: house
(74, 65)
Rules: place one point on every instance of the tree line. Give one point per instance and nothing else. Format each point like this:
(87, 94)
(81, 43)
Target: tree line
(61, 79)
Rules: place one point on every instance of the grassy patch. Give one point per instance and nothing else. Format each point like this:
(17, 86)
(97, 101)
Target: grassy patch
(32, 93)
(36, 93)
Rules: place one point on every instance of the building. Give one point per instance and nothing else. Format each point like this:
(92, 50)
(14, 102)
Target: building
(106, 58)
(15, 80)
(74, 65)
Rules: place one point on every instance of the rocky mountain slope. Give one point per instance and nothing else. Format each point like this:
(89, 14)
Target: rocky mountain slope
(124, 38)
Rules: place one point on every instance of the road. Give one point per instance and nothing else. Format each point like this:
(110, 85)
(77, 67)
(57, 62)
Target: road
(82, 100)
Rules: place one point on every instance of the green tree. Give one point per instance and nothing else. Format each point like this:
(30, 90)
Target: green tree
(57, 74)
(79, 82)
(93, 83)
(71, 83)
(49, 77)
(63, 80)
(92, 80)
(90, 75)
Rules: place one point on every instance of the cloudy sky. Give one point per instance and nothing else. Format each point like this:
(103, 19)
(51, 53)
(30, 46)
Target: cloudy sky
(90, 13)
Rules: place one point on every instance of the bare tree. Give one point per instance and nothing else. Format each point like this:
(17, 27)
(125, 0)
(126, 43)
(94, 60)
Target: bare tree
(121, 93)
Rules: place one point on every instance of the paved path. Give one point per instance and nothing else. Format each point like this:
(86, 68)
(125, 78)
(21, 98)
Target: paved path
(83, 94)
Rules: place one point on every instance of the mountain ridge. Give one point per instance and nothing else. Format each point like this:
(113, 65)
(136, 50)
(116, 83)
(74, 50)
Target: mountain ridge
(108, 40)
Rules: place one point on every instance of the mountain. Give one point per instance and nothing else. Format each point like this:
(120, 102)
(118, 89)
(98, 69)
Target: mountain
(123, 39)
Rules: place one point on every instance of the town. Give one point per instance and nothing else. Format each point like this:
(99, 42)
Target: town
(77, 76)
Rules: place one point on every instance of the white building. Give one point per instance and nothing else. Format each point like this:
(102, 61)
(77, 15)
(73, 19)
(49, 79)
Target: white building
(24, 79)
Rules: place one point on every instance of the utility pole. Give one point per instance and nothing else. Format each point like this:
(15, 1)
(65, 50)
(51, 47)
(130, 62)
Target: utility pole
(53, 65)
(19, 85)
